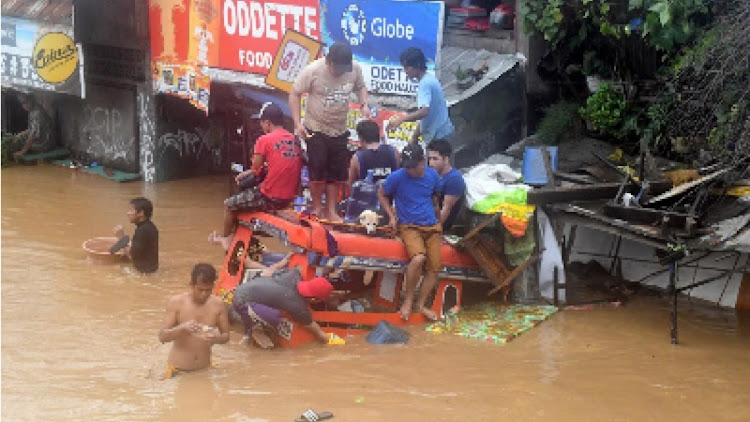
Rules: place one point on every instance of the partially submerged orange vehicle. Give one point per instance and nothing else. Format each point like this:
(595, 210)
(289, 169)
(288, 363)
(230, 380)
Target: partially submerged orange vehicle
(318, 246)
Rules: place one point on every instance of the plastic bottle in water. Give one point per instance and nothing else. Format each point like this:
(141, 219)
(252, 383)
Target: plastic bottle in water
(364, 197)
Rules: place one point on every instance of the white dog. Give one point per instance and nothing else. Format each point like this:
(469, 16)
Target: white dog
(369, 219)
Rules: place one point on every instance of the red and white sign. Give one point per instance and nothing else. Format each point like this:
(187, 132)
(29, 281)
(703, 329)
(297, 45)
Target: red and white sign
(252, 30)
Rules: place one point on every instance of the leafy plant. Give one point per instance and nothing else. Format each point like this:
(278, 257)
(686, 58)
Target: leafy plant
(561, 122)
(461, 74)
(657, 117)
(545, 17)
(605, 109)
(669, 24)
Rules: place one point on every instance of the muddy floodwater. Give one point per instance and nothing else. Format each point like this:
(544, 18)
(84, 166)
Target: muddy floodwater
(79, 337)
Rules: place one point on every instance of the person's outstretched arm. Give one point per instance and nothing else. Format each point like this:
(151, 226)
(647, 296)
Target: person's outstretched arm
(320, 335)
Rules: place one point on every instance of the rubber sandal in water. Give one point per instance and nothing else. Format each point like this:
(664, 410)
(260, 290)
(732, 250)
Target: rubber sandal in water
(311, 416)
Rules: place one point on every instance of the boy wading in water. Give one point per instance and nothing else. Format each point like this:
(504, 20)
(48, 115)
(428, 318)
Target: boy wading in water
(143, 248)
(194, 321)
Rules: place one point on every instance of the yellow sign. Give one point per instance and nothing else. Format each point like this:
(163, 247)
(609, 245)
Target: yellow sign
(296, 51)
(55, 57)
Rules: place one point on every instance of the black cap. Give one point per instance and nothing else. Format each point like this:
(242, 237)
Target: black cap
(411, 155)
(270, 111)
(340, 56)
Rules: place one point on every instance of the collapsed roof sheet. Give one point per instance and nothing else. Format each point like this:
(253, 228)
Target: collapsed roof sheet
(50, 11)
(451, 58)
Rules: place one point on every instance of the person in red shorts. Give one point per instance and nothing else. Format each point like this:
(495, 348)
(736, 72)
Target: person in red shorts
(278, 154)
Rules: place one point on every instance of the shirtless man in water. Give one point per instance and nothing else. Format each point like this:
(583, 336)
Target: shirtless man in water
(194, 321)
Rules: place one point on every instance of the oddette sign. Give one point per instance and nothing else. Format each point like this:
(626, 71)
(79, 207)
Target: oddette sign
(55, 57)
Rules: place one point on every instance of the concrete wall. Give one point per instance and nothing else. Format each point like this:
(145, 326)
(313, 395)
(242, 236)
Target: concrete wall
(183, 146)
(489, 121)
(104, 126)
(638, 261)
(539, 95)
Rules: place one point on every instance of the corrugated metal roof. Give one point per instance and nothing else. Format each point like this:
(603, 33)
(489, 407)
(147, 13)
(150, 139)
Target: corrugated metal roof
(50, 11)
(451, 57)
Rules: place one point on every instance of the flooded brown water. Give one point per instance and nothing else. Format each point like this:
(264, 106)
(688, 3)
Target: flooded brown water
(79, 338)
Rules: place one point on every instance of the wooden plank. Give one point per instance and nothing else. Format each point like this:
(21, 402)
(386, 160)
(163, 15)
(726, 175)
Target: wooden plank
(743, 296)
(543, 196)
(479, 227)
(575, 178)
(489, 258)
(687, 186)
(645, 215)
(513, 274)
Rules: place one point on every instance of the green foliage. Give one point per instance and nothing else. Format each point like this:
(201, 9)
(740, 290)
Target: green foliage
(726, 119)
(561, 122)
(657, 117)
(605, 109)
(544, 17)
(669, 24)
(587, 35)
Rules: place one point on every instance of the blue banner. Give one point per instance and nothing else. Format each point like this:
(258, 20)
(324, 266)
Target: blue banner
(378, 31)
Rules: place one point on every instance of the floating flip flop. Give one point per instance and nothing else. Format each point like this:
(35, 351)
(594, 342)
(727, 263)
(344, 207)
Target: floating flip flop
(311, 416)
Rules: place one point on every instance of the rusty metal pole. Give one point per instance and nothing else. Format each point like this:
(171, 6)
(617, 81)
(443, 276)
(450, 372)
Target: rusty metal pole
(673, 292)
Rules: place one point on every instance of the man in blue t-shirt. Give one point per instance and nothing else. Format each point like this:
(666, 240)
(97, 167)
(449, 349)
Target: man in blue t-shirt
(414, 189)
(432, 109)
(453, 185)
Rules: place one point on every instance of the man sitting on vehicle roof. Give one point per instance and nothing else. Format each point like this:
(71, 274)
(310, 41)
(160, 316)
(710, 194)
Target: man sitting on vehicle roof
(282, 153)
(414, 189)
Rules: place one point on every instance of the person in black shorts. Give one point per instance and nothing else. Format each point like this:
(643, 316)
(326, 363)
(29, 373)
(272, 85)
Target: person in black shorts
(330, 84)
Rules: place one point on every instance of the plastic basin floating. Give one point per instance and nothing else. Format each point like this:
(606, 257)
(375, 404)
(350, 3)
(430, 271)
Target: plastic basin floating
(99, 247)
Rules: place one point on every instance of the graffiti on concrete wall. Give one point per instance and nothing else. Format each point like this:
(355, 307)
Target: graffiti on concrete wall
(194, 143)
(184, 142)
(148, 133)
(105, 131)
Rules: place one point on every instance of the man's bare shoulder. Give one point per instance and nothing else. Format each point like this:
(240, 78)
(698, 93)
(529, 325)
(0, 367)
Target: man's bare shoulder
(178, 299)
(215, 302)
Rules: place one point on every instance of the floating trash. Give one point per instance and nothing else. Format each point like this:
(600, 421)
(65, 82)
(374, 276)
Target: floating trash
(492, 323)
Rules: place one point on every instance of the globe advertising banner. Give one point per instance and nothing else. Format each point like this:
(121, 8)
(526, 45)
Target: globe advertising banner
(37, 56)
(378, 31)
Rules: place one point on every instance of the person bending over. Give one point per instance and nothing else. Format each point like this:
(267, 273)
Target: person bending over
(284, 290)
